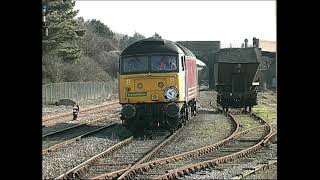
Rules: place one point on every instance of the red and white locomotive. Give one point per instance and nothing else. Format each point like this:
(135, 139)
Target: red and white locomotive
(158, 84)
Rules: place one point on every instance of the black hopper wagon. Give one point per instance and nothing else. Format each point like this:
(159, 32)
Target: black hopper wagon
(235, 71)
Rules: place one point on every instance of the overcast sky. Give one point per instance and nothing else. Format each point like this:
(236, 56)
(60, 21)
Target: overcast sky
(225, 21)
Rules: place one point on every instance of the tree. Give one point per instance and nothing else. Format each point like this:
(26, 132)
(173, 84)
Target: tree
(123, 42)
(52, 69)
(85, 70)
(109, 61)
(127, 40)
(62, 29)
(101, 29)
(94, 42)
(157, 36)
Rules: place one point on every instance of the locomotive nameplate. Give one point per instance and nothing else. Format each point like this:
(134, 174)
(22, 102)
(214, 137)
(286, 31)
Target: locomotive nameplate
(137, 94)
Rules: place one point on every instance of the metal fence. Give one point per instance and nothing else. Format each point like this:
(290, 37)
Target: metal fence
(77, 91)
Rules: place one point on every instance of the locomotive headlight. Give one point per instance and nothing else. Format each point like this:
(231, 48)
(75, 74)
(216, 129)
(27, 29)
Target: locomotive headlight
(160, 84)
(154, 97)
(128, 111)
(139, 85)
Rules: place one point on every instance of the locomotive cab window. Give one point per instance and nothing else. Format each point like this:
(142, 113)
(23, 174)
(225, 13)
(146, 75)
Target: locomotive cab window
(134, 64)
(163, 63)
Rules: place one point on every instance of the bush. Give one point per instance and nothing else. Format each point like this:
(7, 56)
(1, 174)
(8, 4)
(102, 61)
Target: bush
(85, 70)
(109, 61)
(52, 69)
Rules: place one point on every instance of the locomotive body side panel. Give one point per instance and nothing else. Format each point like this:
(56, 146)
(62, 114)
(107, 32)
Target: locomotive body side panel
(192, 79)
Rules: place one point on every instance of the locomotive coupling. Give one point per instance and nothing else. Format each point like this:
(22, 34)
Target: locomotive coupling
(128, 111)
(172, 109)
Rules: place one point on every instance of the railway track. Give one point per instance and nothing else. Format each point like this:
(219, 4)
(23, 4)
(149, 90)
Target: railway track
(64, 117)
(130, 152)
(241, 148)
(117, 168)
(55, 140)
(155, 169)
(102, 167)
(249, 171)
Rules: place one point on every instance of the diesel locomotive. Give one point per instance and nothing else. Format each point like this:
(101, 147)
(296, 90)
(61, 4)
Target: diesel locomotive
(158, 85)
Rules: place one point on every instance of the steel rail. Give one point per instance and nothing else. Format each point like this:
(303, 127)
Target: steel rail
(81, 168)
(187, 155)
(79, 125)
(148, 156)
(152, 153)
(64, 143)
(127, 171)
(214, 162)
(141, 166)
(63, 115)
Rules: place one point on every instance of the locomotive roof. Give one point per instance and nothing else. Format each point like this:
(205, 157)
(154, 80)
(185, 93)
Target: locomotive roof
(239, 55)
(153, 45)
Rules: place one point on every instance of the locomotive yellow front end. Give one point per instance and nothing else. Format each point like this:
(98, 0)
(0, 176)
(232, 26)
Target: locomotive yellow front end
(152, 99)
(148, 88)
(152, 85)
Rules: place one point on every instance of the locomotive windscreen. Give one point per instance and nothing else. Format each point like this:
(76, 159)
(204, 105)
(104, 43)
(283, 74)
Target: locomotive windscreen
(163, 63)
(134, 64)
(149, 63)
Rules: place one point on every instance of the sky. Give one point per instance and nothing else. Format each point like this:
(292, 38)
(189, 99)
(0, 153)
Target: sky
(227, 21)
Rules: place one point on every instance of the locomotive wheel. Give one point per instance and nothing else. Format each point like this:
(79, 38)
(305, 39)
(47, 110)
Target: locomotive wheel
(194, 109)
(189, 112)
(183, 120)
(174, 123)
(179, 122)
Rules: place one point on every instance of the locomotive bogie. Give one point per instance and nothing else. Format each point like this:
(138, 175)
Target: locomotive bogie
(157, 115)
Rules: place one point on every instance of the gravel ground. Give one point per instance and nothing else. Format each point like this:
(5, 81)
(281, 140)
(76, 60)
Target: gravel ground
(205, 97)
(269, 173)
(56, 163)
(50, 110)
(203, 130)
